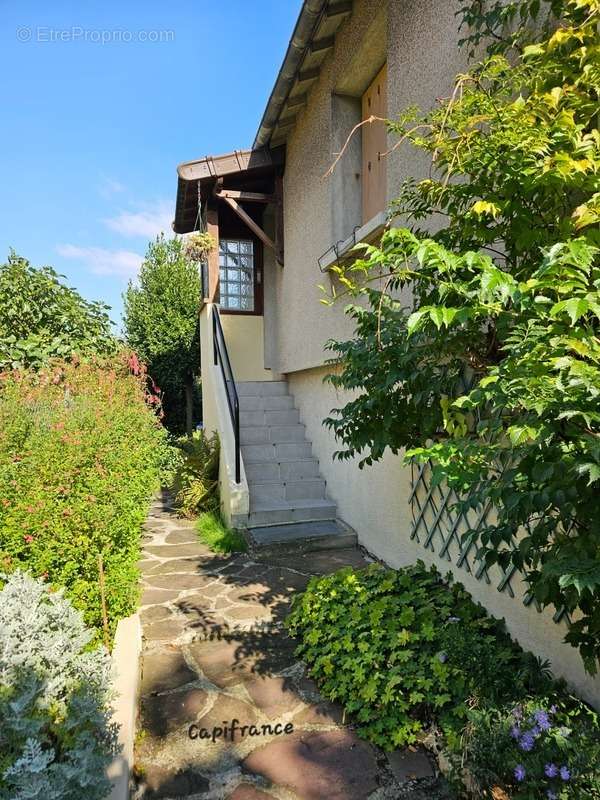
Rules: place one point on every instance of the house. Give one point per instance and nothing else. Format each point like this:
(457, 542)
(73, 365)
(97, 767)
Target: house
(281, 224)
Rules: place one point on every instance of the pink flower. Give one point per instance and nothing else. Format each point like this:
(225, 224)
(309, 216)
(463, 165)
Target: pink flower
(134, 364)
(28, 538)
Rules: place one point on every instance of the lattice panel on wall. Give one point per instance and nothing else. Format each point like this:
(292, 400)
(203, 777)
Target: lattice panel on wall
(439, 526)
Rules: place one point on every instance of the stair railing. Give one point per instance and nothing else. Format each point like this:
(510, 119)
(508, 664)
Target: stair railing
(221, 357)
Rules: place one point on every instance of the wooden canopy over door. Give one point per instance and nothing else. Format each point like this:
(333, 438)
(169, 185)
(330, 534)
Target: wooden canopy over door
(226, 196)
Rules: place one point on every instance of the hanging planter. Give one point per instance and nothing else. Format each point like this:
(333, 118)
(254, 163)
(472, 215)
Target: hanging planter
(198, 246)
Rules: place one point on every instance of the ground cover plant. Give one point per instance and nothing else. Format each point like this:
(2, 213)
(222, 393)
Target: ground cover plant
(221, 539)
(409, 655)
(56, 735)
(81, 452)
(503, 297)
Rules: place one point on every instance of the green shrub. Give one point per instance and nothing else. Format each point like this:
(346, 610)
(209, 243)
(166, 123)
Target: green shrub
(41, 318)
(542, 748)
(56, 734)
(80, 455)
(402, 650)
(197, 479)
(221, 539)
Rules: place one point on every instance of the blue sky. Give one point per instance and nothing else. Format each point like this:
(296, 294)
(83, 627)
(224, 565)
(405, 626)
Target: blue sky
(92, 132)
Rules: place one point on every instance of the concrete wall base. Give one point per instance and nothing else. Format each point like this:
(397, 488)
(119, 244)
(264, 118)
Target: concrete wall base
(126, 666)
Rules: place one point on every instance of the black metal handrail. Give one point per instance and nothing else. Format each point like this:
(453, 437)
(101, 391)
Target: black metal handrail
(221, 357)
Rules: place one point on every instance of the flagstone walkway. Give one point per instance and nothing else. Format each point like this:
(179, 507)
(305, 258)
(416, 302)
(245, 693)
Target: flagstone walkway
(216, 653)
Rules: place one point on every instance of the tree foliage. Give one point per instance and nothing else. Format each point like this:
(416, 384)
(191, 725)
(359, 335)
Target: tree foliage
(496, 285)
(161, 322)
(41, 318)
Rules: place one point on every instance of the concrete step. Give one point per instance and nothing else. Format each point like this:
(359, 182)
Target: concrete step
(256, 402)
(292, 451)
(291, 490)
(274, 434)
(262, 388)
(303, 537)
(258, 418)
(265, 471)
(283, 512)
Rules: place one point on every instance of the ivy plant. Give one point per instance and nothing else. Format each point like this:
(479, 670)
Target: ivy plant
(477, 324)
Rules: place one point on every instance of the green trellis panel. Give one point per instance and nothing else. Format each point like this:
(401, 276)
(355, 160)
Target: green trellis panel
(438, 525)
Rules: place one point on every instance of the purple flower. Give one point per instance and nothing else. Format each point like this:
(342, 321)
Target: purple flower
(551, 770)
(536, 732)
(553, 709)
(515, 732)
(526, 742)
(565, 774)
(517, 712)
(542, 720)
(520, 772)
(551, 795)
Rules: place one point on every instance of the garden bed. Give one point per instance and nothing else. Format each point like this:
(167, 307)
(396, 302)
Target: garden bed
(414, 660)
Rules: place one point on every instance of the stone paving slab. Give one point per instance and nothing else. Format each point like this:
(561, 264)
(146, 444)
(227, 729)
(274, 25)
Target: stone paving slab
(227, 711)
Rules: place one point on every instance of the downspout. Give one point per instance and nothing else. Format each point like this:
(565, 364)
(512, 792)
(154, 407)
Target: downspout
(308, 20)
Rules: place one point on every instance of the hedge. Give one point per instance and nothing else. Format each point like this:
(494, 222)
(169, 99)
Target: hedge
(81, 452)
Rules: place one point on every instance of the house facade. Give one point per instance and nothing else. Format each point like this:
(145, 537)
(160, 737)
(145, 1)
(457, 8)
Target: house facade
(281, 221)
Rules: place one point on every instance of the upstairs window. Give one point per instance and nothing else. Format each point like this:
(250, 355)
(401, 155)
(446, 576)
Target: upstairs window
(237, 273)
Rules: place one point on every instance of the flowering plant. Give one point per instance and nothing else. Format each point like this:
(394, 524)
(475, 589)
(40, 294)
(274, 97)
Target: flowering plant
(81, 452)
(538, 749)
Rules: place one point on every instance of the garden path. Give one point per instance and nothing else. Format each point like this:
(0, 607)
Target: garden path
(215, 651)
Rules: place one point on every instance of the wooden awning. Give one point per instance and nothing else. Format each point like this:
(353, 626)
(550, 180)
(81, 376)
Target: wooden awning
(248, 169)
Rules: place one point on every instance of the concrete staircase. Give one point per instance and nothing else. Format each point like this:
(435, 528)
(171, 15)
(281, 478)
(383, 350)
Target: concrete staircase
(288, 497)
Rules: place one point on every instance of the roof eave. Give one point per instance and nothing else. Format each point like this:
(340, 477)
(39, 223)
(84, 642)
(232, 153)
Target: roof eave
(312, 38)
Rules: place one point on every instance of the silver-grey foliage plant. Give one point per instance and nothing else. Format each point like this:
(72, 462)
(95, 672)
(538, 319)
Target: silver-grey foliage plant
(56, 734)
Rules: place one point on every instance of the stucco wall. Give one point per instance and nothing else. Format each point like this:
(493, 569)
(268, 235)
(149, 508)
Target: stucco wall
(374, 501)
(244, 336)
(311, 225)
(418, 40)
(234, 497)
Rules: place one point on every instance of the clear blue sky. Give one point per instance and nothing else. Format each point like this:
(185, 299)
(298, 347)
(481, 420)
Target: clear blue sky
(92, 132)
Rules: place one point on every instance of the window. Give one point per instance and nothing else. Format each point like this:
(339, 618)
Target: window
(237, 275)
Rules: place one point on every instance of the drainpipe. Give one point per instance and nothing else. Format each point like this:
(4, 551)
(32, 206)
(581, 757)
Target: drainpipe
(305, 27)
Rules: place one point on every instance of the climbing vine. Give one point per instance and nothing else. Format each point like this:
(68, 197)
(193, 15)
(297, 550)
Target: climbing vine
(495, 280)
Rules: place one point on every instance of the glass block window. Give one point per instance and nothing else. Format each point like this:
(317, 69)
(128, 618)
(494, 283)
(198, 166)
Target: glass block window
(236, 270)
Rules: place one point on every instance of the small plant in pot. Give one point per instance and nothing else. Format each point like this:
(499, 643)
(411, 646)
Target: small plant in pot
(199, 245)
